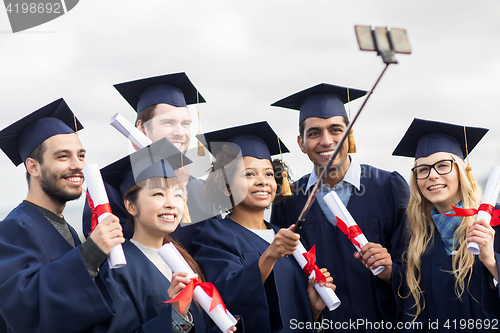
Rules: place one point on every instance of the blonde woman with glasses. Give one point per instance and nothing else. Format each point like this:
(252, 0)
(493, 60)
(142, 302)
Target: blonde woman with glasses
(444, 286)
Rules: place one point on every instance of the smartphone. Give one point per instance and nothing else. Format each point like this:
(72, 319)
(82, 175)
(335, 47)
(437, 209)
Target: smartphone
(382, 40)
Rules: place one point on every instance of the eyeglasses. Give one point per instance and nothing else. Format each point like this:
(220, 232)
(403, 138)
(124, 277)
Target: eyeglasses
(442, 167)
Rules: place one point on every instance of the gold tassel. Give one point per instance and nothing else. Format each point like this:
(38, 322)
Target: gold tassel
(285, 186)
(76, 126)
(186, 218)
(352, 143)
(201, 148)
(468, 168)
(470, 176)
(350, 138)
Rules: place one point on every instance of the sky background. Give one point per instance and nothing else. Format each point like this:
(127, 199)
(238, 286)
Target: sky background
(243, 56)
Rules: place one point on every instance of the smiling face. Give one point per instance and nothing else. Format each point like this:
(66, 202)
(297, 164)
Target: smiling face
(320, 138)
(171, 122)
(61, 175)
(441, 190)
(157, 210)
(253, 186)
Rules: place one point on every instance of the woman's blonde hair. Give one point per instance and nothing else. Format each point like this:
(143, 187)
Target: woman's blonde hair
(422, 229)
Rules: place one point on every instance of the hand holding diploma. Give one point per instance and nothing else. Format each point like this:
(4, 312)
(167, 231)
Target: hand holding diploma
(178, 283)
(483, 234)
(374, 256)
(108, 235)
(205, 293)
(348, 226)
(307, 261)
(317, 303)
(486, 209)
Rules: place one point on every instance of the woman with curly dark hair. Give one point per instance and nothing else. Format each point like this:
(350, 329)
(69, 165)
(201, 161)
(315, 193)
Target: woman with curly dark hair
(247, 258)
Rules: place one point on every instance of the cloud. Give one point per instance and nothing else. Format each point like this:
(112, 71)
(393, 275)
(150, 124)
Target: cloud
(245, 56)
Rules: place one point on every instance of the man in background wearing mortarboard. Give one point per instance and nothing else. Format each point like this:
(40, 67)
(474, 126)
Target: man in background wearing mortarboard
(49, 281)
(375, 198)
(161, 105)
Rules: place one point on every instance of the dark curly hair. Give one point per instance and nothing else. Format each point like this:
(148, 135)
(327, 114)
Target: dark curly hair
(216, 187)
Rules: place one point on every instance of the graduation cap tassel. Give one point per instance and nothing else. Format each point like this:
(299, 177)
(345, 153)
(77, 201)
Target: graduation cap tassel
(76, 126)
(352, 143)
(186, 218)
(350, 138)
(312, 196)
(285, 187)
(201, 148)
(468, 168)
(285, 184)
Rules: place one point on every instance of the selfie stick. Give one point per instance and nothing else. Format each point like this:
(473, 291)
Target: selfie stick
(386, 46)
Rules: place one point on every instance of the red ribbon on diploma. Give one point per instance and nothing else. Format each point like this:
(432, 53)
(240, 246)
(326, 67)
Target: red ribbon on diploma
(96, 211)
(495, 214)
(311, 265)
(351, 232)
(186, 295)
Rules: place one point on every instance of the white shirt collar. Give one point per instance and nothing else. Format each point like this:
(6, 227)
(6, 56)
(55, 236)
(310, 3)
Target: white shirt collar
(352, 176)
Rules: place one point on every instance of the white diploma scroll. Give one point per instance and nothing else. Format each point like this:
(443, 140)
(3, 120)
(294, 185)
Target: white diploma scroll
(338, 209)
(327, 294)
(129, 131)
(223, 319)
(490, 196)
(95, 188)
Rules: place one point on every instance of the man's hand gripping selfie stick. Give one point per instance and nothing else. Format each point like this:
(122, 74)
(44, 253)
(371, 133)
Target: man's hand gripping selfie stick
(386, 43)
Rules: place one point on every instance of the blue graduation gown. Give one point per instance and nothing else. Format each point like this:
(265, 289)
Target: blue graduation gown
(138, 290)
(379, 210)
(443, 311)
(44, 283)
(198, 209)
(228, 255)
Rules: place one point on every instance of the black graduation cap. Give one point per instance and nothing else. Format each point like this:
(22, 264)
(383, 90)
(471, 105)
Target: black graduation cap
(174, 89)
(159, 159)
(426, 137)
(19, 139)
(256, 140)
(322, 101)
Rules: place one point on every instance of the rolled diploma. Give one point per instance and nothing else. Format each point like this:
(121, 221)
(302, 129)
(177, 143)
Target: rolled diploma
(224, 320)
(95, 187)
(489, 197)
(327, 294)
(131, 132)
(333, 202)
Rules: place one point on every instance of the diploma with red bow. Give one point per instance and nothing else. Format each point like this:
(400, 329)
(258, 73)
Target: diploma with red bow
(486, 209)
(307, 261)
(99, 203)
(347, 224)
(129, 131)
(205, 293)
